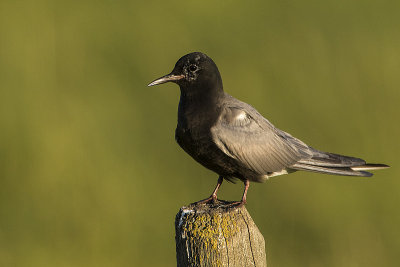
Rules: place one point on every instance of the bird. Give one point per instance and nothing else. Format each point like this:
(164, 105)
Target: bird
(233, 139)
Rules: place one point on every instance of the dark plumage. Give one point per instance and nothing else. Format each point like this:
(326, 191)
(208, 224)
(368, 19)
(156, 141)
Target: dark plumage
(232, 139)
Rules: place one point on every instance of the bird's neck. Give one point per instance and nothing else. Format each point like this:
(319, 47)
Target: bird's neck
(203, 95)
(199, 105)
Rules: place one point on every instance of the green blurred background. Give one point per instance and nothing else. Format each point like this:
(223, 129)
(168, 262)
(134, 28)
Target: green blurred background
(90, 174)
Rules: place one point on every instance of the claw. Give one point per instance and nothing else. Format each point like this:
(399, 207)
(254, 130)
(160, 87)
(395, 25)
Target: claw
(214, 198)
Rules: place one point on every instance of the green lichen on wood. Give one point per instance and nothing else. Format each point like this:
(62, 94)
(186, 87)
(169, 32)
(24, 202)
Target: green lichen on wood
(218, 234)
(212, 230)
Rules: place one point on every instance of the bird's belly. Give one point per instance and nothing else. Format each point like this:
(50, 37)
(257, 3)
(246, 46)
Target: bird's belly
(198, 146)
(202, 148)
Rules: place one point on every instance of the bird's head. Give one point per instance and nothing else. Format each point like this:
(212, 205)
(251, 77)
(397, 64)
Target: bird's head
(194, 71)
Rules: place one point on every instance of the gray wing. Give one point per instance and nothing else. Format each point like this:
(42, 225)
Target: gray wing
(243, 134)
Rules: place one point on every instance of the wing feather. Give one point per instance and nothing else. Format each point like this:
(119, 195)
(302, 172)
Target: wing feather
(246, 136)
(243, 134)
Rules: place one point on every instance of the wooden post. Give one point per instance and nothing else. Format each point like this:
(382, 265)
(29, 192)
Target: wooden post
(218, 234)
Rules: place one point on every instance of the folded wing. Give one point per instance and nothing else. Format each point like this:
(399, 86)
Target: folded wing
(243, 134)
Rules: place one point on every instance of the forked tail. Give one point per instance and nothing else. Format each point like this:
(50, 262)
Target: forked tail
(329, 163)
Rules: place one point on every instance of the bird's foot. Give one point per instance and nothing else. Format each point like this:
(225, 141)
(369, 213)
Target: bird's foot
(210, 200)
(215, 202)
(236, 204)
(213, 198)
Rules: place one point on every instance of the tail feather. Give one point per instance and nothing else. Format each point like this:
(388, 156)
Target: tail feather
(326, 159)
(346, 171)
(330, 163)
(370, 166)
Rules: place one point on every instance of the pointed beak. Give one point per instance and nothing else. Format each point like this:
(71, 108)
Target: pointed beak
(167, 78)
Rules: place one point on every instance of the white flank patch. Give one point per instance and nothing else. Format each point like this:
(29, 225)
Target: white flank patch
(282, 172)
(241, 116)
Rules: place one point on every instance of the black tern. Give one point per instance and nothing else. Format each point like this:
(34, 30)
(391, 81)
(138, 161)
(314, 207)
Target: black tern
(234, 140)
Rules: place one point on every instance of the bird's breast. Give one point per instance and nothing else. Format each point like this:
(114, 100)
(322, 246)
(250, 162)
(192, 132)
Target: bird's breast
(193, 132)
(197, 115)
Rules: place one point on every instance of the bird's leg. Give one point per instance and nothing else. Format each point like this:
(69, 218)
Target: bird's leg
(238, 204)
(246, 187)
(214, 193)
(213, 196)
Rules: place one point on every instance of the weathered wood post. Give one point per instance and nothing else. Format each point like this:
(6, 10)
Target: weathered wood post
(218, 234)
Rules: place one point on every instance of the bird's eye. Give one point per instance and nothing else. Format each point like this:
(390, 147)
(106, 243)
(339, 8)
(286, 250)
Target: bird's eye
(192, 67)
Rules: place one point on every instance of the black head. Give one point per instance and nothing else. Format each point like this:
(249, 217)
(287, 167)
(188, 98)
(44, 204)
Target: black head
(194, 72)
